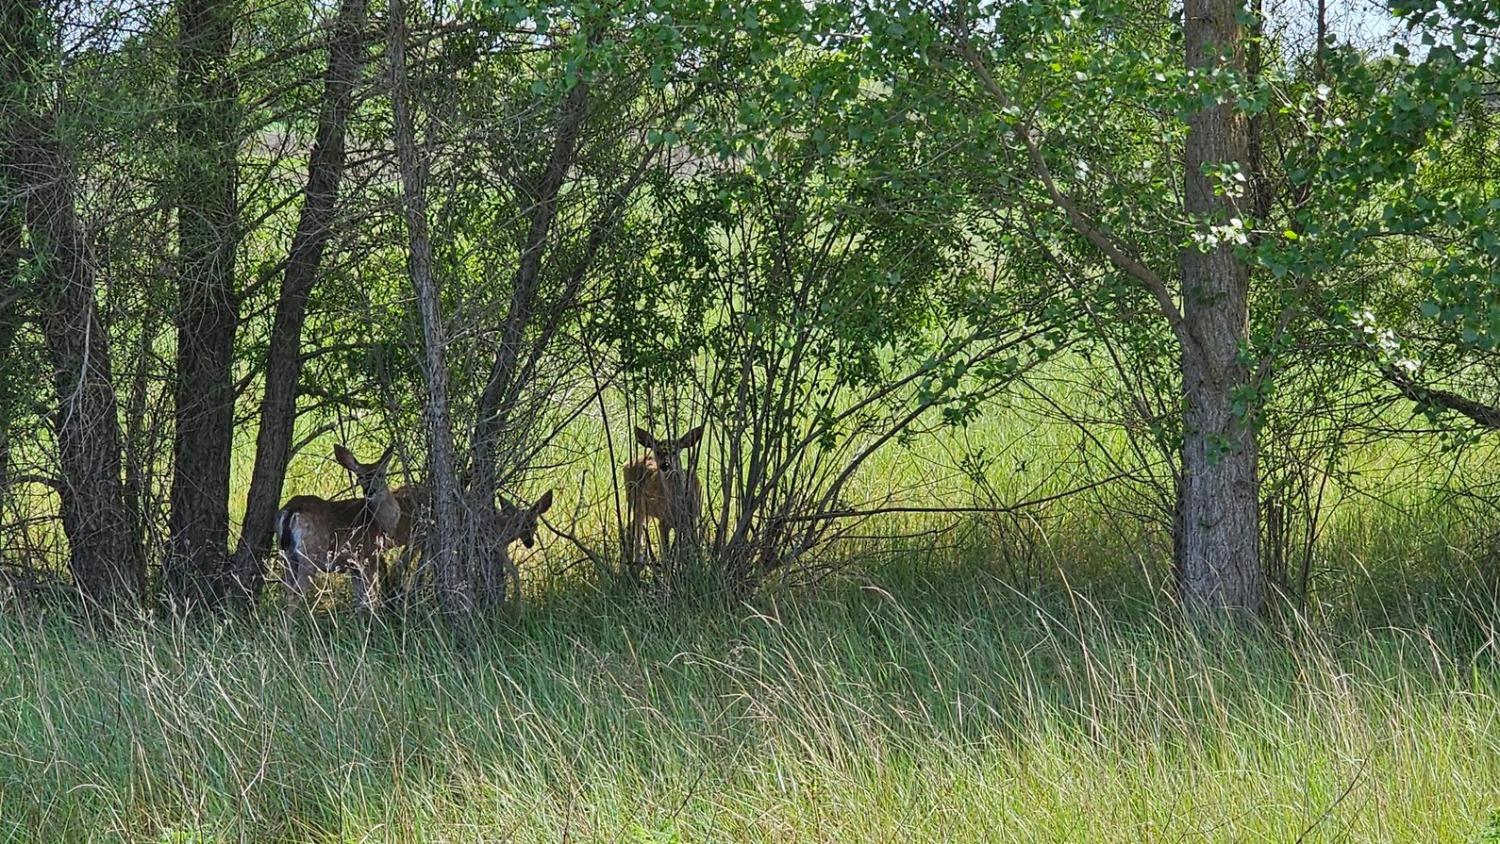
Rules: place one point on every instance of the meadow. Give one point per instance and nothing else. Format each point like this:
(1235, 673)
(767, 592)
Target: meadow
(1030, 301)
(930, 692)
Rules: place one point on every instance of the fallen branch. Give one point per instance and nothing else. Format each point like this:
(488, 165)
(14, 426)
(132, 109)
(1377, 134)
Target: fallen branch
(1007, 510)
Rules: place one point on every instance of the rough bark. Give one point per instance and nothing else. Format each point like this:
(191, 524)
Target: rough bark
(105, 564)
(443, 544)
(207, 128)
(1218, 520)
(10, 312)
(278, 409)
(12, 73)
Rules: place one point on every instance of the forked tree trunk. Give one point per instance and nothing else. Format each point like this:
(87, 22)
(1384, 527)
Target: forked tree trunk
(444, 542)
(500, 387)
(105, 563)
(207, 315)
(278, 408)
(1218, 523)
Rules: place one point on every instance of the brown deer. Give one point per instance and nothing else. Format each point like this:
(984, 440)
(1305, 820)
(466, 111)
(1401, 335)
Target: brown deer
(657, 486)
(510, 523)
(345, 535)
(513, 522)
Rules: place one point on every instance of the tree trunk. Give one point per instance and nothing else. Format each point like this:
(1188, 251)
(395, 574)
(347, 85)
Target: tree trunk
(207, 129)
(10, 313)
(278, 409)
(106, 565)
(1218, 533)
(444, 542)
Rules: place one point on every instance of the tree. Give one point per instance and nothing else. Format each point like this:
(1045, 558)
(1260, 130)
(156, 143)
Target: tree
(278, 406)
(1217, 542)
(105, 563)
(207, 311)
(1204, 301)
(1135, 176)
(454, 585)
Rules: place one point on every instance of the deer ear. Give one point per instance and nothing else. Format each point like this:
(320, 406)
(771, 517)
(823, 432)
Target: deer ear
(505, 503)
(542, 504)
(386, 457)
(691, 438)
(345, 458)
(644, 438)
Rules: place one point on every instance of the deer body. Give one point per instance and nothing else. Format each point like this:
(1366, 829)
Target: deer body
(507, 524)
(343, 535)
(658, 487)
(352, 534)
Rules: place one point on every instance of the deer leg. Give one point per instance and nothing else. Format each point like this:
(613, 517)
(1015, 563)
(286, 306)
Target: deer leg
(397, 574)
(666, 532)
(512, 574)
(366, 577)
(377, 580)
(637, 536)
(684, 529)
(296, 577)
(363, 591)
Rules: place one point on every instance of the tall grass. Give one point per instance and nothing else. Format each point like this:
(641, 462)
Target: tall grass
(926, 700)
(1005, 681)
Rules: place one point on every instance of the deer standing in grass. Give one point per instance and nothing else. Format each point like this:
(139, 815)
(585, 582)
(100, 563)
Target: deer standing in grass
(657, 486)
(508, 524)
(352, 534)
(347, 534)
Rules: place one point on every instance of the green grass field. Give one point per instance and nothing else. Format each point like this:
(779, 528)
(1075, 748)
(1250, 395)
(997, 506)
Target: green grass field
(964, 687)
(926, 699)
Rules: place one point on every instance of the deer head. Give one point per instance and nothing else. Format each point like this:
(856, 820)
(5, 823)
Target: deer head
(372, 481)
(666, 451)
(520, 522)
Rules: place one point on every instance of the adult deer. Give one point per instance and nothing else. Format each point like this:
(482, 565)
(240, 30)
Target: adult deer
(344, 535)
(658, 487)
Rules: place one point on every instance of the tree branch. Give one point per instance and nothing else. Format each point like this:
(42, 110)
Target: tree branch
(1113, 250)
(1485, 415)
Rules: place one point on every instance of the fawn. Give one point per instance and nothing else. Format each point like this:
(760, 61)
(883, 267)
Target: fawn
(658, 487)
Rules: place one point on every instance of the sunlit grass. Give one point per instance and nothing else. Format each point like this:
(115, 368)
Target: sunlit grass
(1000, 680)
(925, 701)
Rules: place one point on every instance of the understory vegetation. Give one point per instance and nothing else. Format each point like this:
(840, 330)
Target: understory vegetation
(981, 680)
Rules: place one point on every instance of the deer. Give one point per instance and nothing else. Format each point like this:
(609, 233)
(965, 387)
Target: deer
(344, 535)
(513, 522)
(508, 524)
(658, 487)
